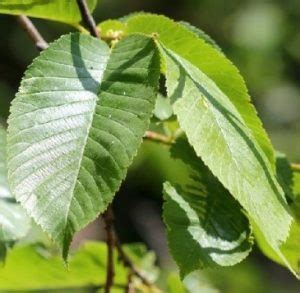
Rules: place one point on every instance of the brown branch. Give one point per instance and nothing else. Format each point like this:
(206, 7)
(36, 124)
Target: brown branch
(113, 241)
(128, 263)
(295, 167)
(108, 218)
(154, 136)
(32, 32)
(130, 285)
(88, 18)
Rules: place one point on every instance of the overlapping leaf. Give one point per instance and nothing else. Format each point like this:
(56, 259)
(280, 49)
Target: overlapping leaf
(60, 10)
(220, 137)
(205, 224)
(75, 126)
(210, 61)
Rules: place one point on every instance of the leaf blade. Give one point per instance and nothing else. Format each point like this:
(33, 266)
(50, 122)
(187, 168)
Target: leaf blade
(210, 61)
(216, 130)
(203, 214)
(73, 132)
(58, 10)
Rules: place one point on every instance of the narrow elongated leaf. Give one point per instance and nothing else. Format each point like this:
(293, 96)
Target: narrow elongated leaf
(220, 137)
(60, 10)
(14, 223)
(75, 126)
(210, 61)
(34, 268)
(204, 214)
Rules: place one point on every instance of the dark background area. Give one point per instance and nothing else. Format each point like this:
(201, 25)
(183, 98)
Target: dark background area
(263, 39)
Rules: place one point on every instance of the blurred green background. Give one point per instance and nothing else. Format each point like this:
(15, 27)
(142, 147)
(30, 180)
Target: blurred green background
(263, 39)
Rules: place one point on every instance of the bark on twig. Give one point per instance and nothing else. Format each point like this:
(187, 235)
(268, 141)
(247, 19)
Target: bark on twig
(32, 32)
(108, 218)
(154, 136)
(88, 18)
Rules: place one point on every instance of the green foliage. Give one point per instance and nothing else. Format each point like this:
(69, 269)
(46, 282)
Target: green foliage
(37, 269)
(59, 10)
(75, 126)
(14, 223)
(205, 215)
(216, 130)
(78, 120)
(210, 61)
(163, 108)
(201, 34)
(290, 250)
(284, 175)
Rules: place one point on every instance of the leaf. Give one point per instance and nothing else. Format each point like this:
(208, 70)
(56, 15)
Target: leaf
(75, 126)
(4, 188)
(290, 250)
(201, 34)
(163, 108)
(37, 269)
(59, 10)
(296, 186)
(284, 175)
(194, 282)
(112, 29)
(211, 62)
(174, 284)
(205, 224)
(14, 223)
(220, 137)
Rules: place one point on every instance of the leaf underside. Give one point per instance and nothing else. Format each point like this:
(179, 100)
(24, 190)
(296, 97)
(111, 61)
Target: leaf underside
(75, 126)
(206, 226)
(210, 61)
(220, 137)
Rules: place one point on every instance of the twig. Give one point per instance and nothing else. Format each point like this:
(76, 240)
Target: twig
(108, 217)
(130, 285)
(128, 263)
(295, 167)
(32, 32)
(88, 18)
(151, 135)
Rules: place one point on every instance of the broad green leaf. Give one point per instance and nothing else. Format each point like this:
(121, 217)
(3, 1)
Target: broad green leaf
(34, 268)
(75, 126)
(14, 223)
(220, 137)
(205, 224)
(211, 62)
(60, 10)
